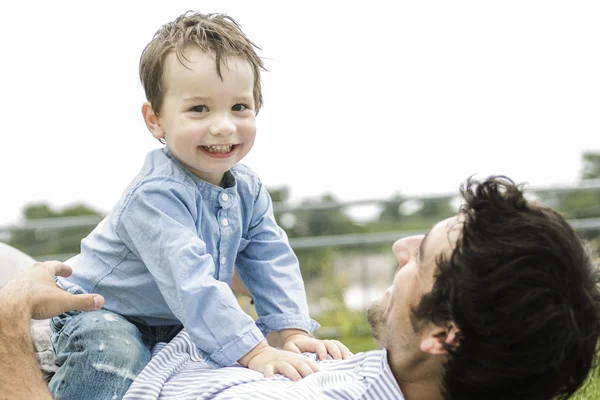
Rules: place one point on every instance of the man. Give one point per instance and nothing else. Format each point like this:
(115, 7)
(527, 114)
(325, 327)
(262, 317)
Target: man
(499, 302)
(32, 295)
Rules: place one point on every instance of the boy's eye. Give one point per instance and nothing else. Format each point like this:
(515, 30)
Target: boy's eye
(200, 108)
(240, 107)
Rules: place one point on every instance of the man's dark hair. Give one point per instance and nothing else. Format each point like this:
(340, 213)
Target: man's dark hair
(524, 293)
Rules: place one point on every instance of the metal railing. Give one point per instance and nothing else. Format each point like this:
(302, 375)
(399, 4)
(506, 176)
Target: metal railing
(322, 241)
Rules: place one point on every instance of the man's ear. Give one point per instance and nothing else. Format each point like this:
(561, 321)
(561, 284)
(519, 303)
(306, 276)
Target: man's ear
(434, 338)
(152, 121)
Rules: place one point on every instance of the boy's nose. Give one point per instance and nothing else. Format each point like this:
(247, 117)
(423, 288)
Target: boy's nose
(222, 126)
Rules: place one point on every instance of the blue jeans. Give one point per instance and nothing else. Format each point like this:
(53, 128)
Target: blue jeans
(100, 353)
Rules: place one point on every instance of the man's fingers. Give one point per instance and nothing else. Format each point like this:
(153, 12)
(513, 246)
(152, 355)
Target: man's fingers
(63, 270)
(59, 269)
(83, 302)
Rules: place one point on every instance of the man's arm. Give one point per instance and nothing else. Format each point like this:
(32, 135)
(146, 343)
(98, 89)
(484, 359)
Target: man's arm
(20, 375)
(33, 294)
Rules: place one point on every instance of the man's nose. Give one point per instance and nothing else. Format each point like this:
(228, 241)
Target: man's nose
(403, 247)
(222, 125)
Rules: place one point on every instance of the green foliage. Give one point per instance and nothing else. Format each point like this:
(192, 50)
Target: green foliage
(316, 264)
(280, 194)
(358, 343)
(430, 211)
(332, 221)
(38, 210)
(347, 321)
(391, 212)
(46, 241)
(350, 328)
(580, 204)
(591, 166)
(436, 208)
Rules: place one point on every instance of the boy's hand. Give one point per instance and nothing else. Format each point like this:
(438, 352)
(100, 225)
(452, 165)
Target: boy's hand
(269, 360)
(301, 342)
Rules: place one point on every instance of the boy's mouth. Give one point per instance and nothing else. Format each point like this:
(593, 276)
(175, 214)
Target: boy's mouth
(219, 149)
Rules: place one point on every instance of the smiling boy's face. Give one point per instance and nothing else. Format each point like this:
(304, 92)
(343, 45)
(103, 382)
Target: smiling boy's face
(208, 121)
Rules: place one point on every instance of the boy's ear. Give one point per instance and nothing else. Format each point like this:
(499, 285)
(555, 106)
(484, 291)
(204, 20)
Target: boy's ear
(434, 338)
(152, 121)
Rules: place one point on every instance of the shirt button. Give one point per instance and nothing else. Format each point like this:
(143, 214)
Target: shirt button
(223, 260)
(224, 196)
(225, 222)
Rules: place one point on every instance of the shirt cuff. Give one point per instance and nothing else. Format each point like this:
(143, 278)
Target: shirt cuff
(277, 322)
(231, 352)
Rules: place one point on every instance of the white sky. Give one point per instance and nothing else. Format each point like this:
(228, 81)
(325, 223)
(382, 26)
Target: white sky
(363, 99)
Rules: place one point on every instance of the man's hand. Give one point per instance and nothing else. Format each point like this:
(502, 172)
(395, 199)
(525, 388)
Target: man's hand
(269, 360)
(32, 294)
(35, 295)
(300, 342)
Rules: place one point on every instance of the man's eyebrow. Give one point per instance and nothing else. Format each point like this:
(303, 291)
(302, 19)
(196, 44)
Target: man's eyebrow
(422, 245)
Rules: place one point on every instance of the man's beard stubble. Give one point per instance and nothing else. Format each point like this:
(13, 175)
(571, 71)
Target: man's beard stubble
(375, 317)
(384, 338)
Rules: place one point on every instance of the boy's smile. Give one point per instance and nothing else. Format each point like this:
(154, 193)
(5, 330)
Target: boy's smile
(220, 151)
(208, 121)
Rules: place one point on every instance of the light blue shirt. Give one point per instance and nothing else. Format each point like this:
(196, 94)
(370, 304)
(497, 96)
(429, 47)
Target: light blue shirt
(166, 253)
(176, 371)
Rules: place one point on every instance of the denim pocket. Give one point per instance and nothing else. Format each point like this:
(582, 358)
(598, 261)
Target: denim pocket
(58, 323)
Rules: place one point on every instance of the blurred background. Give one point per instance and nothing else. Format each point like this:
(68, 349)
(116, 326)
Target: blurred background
(374, 114)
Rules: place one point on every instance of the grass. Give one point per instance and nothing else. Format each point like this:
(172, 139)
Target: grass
(591, 388)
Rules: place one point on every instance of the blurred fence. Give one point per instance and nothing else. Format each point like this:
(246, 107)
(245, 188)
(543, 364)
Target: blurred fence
(356, 240)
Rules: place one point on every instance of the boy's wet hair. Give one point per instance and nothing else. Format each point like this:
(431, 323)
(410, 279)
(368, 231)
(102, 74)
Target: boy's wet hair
(216, 33)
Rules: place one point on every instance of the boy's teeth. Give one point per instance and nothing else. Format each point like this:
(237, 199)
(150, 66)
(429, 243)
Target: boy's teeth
(219, 149)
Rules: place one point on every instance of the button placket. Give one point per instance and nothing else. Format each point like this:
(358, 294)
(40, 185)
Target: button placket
(224, 201)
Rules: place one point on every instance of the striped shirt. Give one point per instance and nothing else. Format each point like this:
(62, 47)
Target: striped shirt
(177, 371)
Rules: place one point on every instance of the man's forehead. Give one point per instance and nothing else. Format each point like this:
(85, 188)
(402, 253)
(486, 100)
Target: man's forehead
(440, 240)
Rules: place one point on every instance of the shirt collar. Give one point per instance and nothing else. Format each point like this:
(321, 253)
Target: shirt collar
(206, 188)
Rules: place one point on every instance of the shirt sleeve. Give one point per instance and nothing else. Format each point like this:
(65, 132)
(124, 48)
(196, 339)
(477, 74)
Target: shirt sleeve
(271, 271)
(158, 224)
